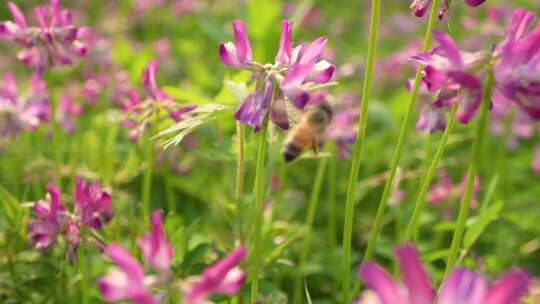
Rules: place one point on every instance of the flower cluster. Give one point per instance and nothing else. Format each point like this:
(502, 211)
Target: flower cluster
(53, 42)
(518, 69)
(454, 75)
(461, 286)
(420, 7)
(22, 111)
(295, 69)
(128, 280)
(155, 100)
(92, 210)
(222, 277)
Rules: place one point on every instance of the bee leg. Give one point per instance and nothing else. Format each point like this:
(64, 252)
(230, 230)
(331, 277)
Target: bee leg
(315, 146)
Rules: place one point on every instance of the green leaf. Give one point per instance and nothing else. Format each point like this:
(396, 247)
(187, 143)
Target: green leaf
(480, 223)
(435, 255)
(10, 205)
(202, 115)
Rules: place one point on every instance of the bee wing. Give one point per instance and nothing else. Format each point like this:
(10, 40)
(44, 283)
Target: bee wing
(293, 114)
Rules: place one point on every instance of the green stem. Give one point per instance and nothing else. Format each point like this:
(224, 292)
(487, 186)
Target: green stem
(471, 174)
(85, 275)
(401, 140)
(358, 148)
(55, 137)
(109, 155)
(147, 179)
(240, 176)
(332, 198)
(256, 259)
(313, 200)
(412, 229)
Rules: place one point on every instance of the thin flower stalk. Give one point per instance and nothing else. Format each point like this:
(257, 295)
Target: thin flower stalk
(471, 174)
(147, 179)
(240, 175)
(313, 200)
(358, 148)
(256, 259)
(331, 225)
(412, 229)
(55, 131)
(402, 136)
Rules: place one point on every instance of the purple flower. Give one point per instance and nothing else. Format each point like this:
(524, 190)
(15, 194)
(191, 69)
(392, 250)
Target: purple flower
(156, 95)
(445, 189)
(22, 111)
(157, 251)
(73, 238)
(517, 71)
(237, 54)
(430, 118)
(254, 108)
(420, 7)
(416, 281)
(223, 277)
(461, 286)
(49, 220)
(94, 84)
(67, 110)
(127, 281)
(53, 219)
(449, 72)
(441, 191)
(93, 205)
(294, 70)
(54, 41)
(156, 99)
(466, 286)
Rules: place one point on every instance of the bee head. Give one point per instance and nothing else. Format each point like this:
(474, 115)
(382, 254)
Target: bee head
(291, 151)
(321, 114)
(324, 106)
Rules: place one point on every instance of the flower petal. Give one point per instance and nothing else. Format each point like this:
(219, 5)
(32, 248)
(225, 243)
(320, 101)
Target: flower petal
(149, 78)
(414, 275)
(310, 54)
(381, 283)
(114, 286)
(284, 54)
(17, 14)
(241, 41)
(125, 261)
(448, 47)
(463, 286)
(474, 3)
(509, 289)
(291, 85)
(279, 114)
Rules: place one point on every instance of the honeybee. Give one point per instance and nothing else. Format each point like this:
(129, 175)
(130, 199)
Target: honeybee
(307, 132)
